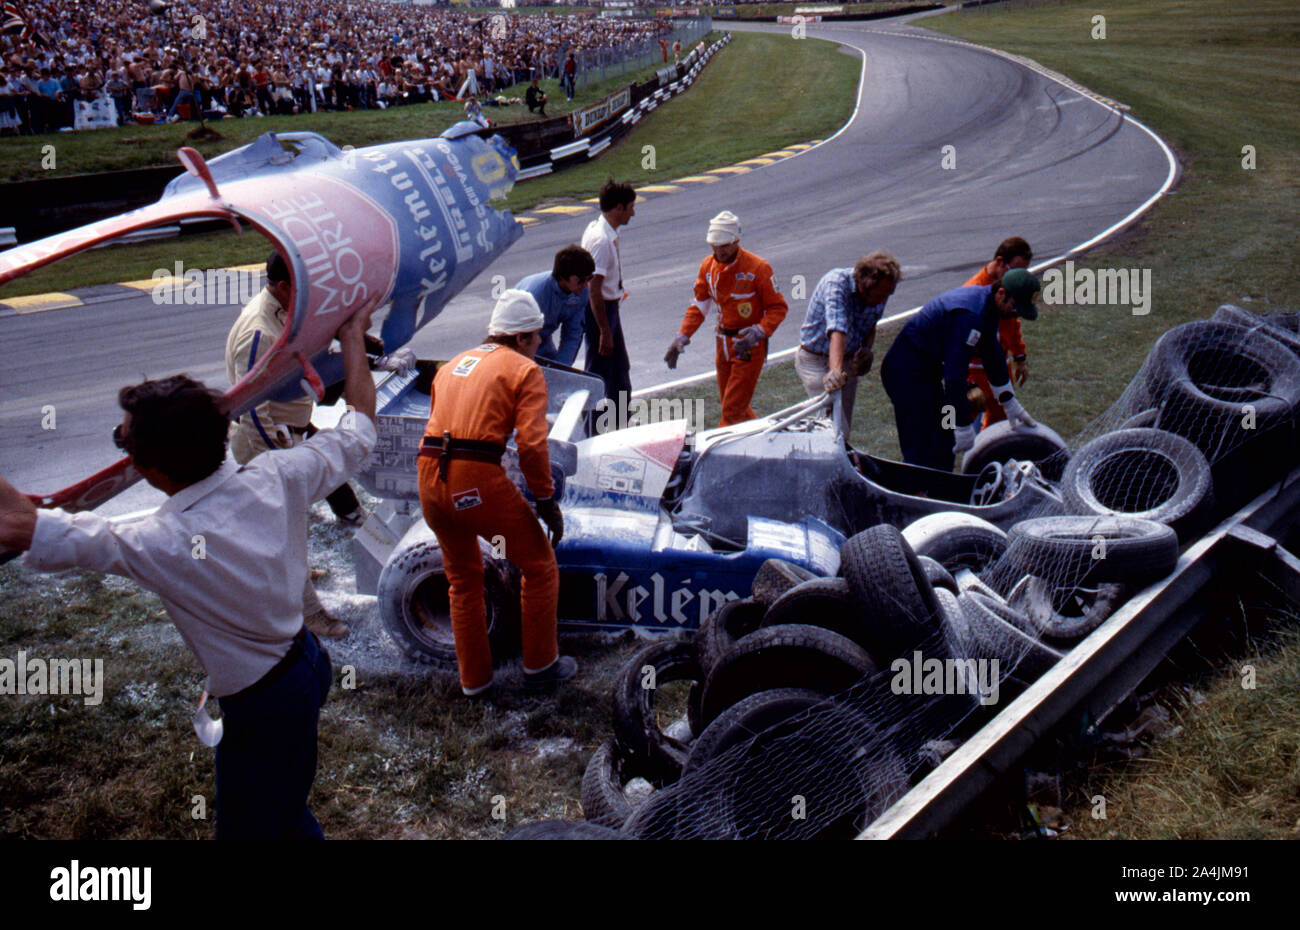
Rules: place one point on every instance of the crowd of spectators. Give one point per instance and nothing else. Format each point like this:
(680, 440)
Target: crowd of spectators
(258, 57)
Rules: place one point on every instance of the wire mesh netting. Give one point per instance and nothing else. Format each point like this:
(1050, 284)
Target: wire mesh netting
(942, 624)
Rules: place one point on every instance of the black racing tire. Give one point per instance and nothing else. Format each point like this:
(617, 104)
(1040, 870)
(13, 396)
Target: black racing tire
(885, 575)
(1061, 549)
(1148, 473)
(957, 540)
(603, 800)
(722, 628)
(760, 754)
(828, 603)
(1276, 326)
(791, 656)
(413, 602)
(667, 814)
(565, 830)
(995, 631)
(999, 443)
(1204, 374)
(1063, 616)
(1143, 419)
(658, 755)
(775, 577)
(938, 576)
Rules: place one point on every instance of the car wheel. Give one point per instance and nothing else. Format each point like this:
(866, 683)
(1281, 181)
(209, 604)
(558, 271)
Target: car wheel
(791, 656)
(1000, 443)
(635, 727)
(775, 577)
(884, 574)
(603, 800)
(957, 540)
(1146, 473)
(824, 602)
(1077, 551)
(778, 745)
(414, 604)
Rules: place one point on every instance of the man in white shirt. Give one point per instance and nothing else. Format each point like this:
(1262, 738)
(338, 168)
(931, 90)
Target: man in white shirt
(227, 554)
(606, 349)
(277, 425)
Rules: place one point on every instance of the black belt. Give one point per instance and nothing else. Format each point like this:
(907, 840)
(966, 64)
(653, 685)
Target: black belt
(811, 352)
(447, 448)
(723, 331)
(280, 669)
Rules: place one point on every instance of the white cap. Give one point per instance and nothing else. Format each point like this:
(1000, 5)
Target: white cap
(516, 312)
(723, 228)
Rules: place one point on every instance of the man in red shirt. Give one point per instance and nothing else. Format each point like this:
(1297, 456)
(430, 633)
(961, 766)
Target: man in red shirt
(750, 308)
(1011, 253)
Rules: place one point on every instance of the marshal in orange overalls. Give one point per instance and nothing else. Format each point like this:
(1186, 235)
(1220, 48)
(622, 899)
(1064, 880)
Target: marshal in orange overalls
(1013, 342)
(745, 295)
(484, 395)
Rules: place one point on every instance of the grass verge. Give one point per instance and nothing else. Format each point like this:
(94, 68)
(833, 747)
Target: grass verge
(680, 131)
(1229, 768)
(402, 754)
(1210, 78)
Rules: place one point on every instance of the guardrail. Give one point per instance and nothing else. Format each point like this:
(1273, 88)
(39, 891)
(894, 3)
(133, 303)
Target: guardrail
(1107, 666)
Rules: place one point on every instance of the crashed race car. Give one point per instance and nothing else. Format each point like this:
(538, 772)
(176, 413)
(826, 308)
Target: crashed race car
(661, 526)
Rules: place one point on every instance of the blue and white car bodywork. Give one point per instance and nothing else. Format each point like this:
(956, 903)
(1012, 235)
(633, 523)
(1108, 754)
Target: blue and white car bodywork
(661, 527)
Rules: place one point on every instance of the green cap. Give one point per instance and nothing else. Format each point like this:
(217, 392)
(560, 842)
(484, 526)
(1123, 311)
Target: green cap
(1023, 288)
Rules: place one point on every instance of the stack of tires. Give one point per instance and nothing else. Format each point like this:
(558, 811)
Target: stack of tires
(789, 705)
(1231, 387)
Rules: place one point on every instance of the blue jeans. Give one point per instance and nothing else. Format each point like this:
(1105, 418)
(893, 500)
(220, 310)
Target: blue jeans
(186, 96)
(266, 760)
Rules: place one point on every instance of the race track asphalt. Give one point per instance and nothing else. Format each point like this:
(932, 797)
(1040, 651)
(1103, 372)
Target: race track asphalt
(1033, 158)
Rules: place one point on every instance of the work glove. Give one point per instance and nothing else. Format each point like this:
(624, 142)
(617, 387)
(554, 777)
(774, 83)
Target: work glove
(834, 380)
(402, 361)
(748, 340)
(680, 342)
(1019, 370)
(549, 511)
(860, 364)
(963, 438)
(1017, 415)
(975, 398)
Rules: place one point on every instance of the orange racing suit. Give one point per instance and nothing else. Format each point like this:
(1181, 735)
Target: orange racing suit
(745, 294)
(480, 398)
(1013, 342)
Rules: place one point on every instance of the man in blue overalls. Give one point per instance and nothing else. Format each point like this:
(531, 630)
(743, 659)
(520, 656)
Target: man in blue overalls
(924, 371)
